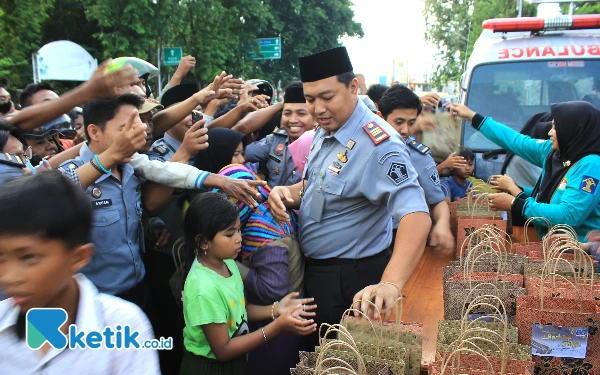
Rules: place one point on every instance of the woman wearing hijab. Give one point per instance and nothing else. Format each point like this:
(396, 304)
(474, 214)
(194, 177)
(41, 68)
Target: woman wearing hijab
(226, 147)
(567, 191)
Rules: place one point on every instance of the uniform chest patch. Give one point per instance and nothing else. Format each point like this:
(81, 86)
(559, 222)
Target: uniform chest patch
(563, 184)
(161, 150)
(101, 203)
(375, 132)
(588, 184)
(397, 172)
(275, 158)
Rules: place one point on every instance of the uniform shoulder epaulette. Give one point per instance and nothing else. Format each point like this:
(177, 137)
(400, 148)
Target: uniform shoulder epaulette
(160, 149)
(11, 159)
(421, 148)
(280, 132)
(375, 132)
(276, 130)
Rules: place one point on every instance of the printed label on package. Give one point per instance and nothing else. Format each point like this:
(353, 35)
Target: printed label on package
(555, 341)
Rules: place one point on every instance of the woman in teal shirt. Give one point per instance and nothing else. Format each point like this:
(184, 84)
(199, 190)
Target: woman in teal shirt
(567, 191)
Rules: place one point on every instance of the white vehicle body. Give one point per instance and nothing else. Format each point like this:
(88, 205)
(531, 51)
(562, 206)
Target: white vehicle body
(512, 76)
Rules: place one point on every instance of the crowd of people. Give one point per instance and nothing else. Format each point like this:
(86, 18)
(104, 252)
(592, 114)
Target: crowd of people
(237, 225)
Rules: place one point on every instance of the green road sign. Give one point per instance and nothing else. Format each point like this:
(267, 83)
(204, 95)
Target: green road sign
(270, 49)
(172, 55)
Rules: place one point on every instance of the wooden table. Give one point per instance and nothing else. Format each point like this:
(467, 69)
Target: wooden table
(424, 292)
(424, 303)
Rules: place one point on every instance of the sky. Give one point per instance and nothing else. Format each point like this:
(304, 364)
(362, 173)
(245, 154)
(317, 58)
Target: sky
(395, 30)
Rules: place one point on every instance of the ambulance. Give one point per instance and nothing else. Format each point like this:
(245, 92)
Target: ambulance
(519, 66)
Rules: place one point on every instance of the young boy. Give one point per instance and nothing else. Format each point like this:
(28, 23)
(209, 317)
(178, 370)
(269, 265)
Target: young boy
(45, 223)
(457, 185)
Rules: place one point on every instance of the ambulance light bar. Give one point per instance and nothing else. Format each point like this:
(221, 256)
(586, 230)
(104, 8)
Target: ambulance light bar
(502, 25)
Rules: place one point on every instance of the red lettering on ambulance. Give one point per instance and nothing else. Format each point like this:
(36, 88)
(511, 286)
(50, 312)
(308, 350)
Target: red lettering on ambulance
(503, 54)
(579, 52)
(532, 50)
(548, 51)
(594, 50)
(517, 53)
(564, 52)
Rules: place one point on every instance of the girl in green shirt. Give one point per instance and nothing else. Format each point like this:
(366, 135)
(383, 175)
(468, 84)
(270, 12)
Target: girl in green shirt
(216, 334)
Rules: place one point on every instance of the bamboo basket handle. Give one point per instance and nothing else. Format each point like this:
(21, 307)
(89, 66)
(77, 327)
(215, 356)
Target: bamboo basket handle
(530, 221)
(445, 360)
(337, 343)
(542, 285)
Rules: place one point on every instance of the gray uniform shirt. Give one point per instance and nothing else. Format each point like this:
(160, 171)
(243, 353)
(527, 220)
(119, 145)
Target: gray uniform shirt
(273, 150)
(117, 233)
(356, 179)
(429, 179)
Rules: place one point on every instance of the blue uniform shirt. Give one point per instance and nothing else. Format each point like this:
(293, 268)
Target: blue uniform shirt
(163, 149)
(273, 150)
(9, 167)
(117, 231)
(454, 190)
(364, 174)
(429, 179)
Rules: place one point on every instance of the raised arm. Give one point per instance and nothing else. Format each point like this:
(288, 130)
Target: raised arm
(101, 85)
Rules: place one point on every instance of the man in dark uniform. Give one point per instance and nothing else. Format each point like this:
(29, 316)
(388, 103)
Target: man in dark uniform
(358, 174)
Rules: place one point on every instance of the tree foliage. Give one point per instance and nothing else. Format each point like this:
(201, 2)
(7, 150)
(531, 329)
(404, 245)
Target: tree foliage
(219, 33)
(449, 21)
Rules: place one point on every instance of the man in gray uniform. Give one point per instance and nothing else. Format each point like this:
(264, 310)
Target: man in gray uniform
(273, 149)
(358, 173)
(400, 107)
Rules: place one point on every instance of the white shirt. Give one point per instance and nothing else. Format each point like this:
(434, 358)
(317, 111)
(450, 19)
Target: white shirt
(95, 312)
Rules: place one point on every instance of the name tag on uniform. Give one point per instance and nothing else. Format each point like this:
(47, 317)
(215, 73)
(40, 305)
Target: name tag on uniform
(101, 203)
(274, 158)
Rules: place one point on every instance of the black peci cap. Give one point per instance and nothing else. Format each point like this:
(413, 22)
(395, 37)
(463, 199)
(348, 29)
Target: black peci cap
(294, 93)
(330, 63)
(178, 94)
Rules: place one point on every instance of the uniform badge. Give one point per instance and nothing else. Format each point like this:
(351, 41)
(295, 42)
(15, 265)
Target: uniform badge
(375, 132)
(343, 156)
(563, 184)
(101, 203)
(276, 170)
(96, 192)
(588, 184)
(161, 150)
(275, 158)
(397, 172)
(279, 149)
(333, 170)
(567, 163)
(337, 165)
(350, 144)
(435, 178)
(72, 166)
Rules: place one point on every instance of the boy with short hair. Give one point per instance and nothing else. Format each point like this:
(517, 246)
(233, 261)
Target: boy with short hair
(45, 223)
(457, 185)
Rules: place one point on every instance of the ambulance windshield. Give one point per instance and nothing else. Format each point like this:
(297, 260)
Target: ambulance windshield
(512, 92)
